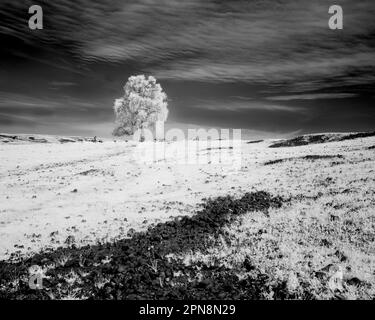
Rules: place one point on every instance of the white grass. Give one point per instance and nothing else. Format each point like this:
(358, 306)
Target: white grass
(330, 216)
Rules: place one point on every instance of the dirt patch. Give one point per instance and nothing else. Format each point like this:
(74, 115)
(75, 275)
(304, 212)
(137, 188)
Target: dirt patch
(90, 172)
(307, 157)
(218, 148)
(271, 162)
(141, 267)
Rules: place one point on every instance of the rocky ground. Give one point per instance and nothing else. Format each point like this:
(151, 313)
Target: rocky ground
(95, 220)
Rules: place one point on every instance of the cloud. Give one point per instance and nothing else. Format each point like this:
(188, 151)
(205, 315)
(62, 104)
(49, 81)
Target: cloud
(21, 107)
(284, 42)
(24, 101)
(62, 84)
(313, 96)
(240, 105)
(313, 74)
(274, 42)
(11, 119)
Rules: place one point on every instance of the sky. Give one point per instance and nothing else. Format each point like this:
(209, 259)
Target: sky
(270, 67)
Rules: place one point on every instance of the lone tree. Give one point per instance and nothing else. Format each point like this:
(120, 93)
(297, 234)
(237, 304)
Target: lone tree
(143, 103)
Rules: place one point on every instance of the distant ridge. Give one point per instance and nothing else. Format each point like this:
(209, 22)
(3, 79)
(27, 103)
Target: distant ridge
(39, 138)
(320, 138)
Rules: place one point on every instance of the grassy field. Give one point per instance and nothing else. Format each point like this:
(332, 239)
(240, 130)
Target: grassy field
(295, 221)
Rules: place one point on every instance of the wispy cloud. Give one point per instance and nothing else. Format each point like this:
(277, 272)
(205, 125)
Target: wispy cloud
(238, 105)
(312, 96)
(256, 42)
(266, 41)
(63, 84)
(22, 107)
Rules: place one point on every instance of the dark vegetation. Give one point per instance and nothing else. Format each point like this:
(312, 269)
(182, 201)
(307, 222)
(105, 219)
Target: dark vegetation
(254, 141)
(320, 138)
(139, 267)
(301, 141)
(358, 135)
(307, 157)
